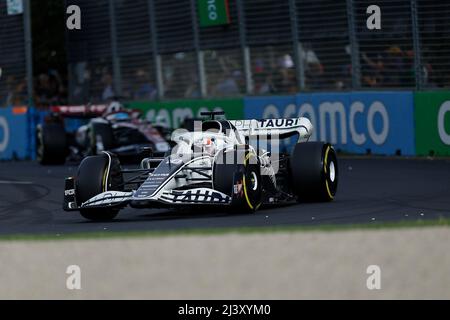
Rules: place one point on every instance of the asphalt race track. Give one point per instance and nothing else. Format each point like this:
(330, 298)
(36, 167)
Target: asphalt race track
(375, 189)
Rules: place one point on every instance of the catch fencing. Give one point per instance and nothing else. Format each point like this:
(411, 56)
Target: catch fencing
(186, 49)
(13, 70)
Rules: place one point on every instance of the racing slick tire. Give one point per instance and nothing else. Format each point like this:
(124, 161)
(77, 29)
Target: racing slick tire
(314, 172)
(104, 132)
(239, 176)
(98, 174)
(51, 144)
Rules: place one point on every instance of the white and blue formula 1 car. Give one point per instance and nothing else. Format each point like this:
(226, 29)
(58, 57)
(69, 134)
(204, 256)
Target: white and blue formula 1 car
(221, 164)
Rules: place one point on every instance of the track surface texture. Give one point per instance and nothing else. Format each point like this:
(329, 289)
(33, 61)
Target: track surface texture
(370, 190)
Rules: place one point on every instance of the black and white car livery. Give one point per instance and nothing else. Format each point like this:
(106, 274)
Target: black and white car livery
(222, 163)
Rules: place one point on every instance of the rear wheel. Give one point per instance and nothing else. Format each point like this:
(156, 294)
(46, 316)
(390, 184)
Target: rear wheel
(98, 174)
(314, 170)
(51, 144)
(237, 174)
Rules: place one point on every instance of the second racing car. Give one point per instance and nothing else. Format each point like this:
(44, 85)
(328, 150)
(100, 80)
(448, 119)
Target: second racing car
(108, 127)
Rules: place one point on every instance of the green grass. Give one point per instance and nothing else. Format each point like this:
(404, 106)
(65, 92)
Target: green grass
(442, 222)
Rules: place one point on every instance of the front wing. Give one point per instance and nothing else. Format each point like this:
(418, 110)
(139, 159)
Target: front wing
(170, 198)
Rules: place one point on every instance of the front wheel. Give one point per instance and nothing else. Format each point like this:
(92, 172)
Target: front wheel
(98, 174)
(237, 174)
(314, 170)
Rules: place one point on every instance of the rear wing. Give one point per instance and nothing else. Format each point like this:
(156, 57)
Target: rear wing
(284, 128)
(82, 111)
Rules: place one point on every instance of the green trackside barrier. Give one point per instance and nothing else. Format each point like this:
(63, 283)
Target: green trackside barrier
(432, 121)
(172, 113)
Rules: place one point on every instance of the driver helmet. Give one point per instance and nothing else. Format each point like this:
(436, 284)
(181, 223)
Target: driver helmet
(211, 146)
(114, 107)
(118, 117)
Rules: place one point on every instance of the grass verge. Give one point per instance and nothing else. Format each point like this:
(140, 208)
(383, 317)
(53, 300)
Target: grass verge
(442, 222)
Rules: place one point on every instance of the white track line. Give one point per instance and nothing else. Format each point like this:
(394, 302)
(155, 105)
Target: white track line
(16, 182)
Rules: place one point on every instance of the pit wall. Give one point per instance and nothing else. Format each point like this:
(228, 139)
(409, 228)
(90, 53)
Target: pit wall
(385, 123)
